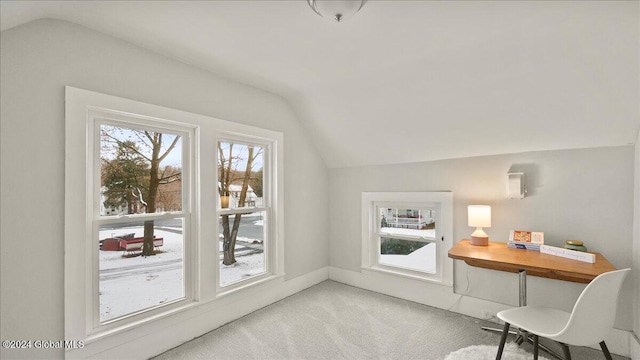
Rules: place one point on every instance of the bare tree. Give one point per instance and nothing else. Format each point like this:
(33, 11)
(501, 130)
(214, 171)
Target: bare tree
(170, 190)
(153, 141)
(227, 175)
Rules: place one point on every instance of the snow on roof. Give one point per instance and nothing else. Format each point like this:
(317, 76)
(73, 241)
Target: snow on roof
(234, 187)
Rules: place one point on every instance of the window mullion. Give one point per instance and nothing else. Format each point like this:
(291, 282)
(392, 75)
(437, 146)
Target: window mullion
(139, 217)
(245, 210)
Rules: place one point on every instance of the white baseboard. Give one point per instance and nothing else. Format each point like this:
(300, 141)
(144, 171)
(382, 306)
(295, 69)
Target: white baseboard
(634, 346)
(443, 297)
(159, 336)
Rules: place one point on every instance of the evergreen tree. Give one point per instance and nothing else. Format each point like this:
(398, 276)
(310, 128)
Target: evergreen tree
(126, 178)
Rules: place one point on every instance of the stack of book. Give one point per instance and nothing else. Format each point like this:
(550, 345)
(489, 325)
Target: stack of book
(527, 240)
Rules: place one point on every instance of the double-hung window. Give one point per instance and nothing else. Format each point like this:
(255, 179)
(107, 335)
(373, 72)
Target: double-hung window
(142, 215)
(165, 211)
(244, 209)
(129, 217)
(408, 234)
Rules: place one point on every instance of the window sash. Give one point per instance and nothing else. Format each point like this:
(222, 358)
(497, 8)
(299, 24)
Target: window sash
(268, 182)
(378, 206)
(378, 240)
(99, 325)
(373, 204)
(96, 118)
(269, 250)
(268, 255)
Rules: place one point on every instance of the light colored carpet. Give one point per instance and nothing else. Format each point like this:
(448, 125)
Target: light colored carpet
(336, 321)
(488, 352)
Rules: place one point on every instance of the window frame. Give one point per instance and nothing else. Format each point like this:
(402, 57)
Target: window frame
(86, 124)
(95, 119)
(270, 256)
(371, 234)
(378, 235)
(200, 273)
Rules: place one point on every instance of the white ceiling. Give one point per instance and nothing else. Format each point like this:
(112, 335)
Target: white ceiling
(405, 81)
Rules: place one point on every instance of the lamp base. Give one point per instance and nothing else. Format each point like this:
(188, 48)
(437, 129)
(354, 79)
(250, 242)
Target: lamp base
(479, 241)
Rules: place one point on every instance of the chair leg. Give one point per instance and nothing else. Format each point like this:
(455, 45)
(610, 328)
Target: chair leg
(605, 350)
(503, 339)
(567, 353)
(535, 347)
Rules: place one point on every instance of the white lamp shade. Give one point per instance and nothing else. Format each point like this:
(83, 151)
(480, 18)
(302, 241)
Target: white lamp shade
(336, 9)
(479, 216)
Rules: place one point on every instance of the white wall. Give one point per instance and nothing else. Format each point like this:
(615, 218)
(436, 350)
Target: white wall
(37, 60)
(573, 194)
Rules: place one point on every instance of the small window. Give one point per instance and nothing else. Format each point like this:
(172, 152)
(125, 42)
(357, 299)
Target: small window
(408, 234)
(407, 238)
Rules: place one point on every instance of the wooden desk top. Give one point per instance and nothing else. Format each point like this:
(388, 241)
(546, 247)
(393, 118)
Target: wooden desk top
(498, 256)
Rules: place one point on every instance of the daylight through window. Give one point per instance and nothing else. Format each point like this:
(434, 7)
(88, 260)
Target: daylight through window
(243, 207)
(166, 213)
(407, 238)
(140, 223)
(408, 234)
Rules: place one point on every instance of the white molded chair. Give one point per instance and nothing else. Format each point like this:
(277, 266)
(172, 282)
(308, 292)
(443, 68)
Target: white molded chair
(590, 321)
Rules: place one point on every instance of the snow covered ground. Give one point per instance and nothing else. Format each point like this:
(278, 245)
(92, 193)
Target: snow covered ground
(431, 233)
(423, 259)
(130, 284)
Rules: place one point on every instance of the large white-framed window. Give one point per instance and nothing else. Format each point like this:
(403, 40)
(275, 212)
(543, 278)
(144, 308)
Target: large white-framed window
(142, 212)
(408, 234)
(244, 209)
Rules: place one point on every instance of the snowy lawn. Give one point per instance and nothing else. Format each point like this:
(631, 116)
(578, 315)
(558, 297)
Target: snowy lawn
(131, 284)
(423, 259)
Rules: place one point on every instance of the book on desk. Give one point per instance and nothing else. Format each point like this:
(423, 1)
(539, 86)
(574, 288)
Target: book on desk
(526, 240)
(523, 245)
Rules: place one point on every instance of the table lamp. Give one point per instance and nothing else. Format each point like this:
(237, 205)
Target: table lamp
(479, 217)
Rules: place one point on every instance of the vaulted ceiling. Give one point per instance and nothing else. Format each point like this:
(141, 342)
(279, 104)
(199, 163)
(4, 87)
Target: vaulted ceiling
(405, 81)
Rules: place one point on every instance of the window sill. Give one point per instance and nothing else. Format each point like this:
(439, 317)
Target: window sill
(233, 288)
(407, 275)
(100, 334)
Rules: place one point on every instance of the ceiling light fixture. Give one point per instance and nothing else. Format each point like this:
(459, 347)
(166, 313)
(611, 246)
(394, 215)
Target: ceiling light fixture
(338, 9)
